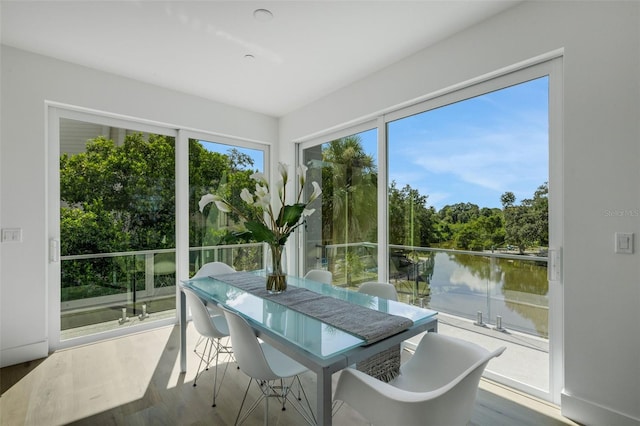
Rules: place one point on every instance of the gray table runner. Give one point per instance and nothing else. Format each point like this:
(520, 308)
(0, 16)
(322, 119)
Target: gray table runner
(368, 324)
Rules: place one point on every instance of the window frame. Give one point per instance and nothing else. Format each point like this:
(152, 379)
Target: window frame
(551, 65)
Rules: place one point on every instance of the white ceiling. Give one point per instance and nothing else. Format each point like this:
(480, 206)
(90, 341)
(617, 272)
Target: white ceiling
(308, 49)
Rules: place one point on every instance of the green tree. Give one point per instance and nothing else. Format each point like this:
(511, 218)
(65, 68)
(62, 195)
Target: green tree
(117, 198)
(133, 182)
(527, 224)
(459, 213)
(349, 185)
(223, 174)
(481, 233)
(349, 197)
(410, 220)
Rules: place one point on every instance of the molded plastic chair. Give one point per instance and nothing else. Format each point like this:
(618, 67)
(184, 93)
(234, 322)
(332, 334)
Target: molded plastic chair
(212, 328)
(213, 268)
(386, 290)
(208, 270)
(379, 289)
(437, 386)
(320, 275)
(265, 364)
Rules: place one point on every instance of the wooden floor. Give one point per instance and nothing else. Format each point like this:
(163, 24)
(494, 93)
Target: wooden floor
(136, 380)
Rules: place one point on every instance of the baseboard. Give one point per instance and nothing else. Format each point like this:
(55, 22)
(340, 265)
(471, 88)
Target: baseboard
(12, 356)
(589, 413)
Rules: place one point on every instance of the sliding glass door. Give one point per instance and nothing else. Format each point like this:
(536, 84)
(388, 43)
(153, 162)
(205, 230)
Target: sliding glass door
(469, 220)
(125, 224)
(343, 237)
(467, 215)
(117, 225)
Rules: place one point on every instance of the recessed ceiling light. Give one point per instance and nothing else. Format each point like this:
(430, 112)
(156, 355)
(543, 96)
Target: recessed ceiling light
(249, 56)
(263, 15)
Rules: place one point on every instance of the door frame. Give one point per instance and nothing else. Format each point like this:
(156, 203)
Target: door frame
(55, 111)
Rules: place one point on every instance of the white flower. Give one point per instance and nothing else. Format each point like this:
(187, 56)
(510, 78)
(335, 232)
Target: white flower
(283, 169)
(302, 174)
(206, 199)
(246, 196)
(259, 177)
(274, 229)
(316, 192)
(263, 197)
(222, 206)
(280, 188)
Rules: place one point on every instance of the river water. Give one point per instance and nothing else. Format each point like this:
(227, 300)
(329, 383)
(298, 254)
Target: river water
(463, 284)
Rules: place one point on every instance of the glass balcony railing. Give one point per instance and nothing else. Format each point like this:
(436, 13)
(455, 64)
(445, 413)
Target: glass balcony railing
(109, 287)
(105, 291)
(508, 286)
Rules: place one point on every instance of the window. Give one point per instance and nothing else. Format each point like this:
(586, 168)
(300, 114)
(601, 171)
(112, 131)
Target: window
(342, 237)
(117, 227)
(128, 193)
(472, 188)
(221, 169)
(468, 213)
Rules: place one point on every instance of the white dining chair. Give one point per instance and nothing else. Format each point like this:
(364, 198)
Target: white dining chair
(265, 365)
(211, 269)
(320, 275)
(212, 329)
(385, 290)
(436, 386)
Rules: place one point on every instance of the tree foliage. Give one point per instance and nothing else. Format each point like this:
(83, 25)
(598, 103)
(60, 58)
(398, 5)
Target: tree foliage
(131, 186)
(122, 198)
(411, 221)
(349, 192)
(527, 224)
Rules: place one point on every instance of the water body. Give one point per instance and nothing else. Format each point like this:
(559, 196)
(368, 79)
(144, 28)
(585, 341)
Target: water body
(516, 290)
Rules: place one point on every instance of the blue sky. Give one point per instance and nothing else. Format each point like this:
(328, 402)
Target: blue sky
(257, 155)
(475, 150)
(471, 151)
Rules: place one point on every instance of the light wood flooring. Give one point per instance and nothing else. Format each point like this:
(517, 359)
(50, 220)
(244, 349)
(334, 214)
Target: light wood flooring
(136, 380)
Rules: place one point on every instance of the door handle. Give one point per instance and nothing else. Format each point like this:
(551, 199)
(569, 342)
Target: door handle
(54, 250)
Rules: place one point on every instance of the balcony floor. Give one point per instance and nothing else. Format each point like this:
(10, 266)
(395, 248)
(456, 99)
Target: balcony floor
(526, 359)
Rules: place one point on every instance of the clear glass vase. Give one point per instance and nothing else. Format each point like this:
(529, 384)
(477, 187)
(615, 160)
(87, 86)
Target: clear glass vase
(276, 266)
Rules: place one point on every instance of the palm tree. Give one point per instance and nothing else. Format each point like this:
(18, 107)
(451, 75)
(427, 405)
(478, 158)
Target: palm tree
(349, 201)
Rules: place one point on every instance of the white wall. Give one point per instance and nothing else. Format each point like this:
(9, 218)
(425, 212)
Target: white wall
(601, 171)
(27, 81)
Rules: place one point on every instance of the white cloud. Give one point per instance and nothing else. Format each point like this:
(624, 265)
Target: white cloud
(498, 162)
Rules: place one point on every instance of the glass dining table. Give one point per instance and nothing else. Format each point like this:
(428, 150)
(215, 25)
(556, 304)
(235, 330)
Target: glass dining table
(321, 347)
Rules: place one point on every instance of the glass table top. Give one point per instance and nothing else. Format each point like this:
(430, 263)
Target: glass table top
(308, 333)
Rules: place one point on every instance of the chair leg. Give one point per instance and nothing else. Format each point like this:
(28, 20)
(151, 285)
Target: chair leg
(308, 412)
(250, 409)
(282, 392)
(266, 405)
(215, 376)
(208, 344)
(216, 346)
(198, 343)
(217, 386)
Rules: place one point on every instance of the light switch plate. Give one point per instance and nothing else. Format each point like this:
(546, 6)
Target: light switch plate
(624, 242)
(12, 235)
